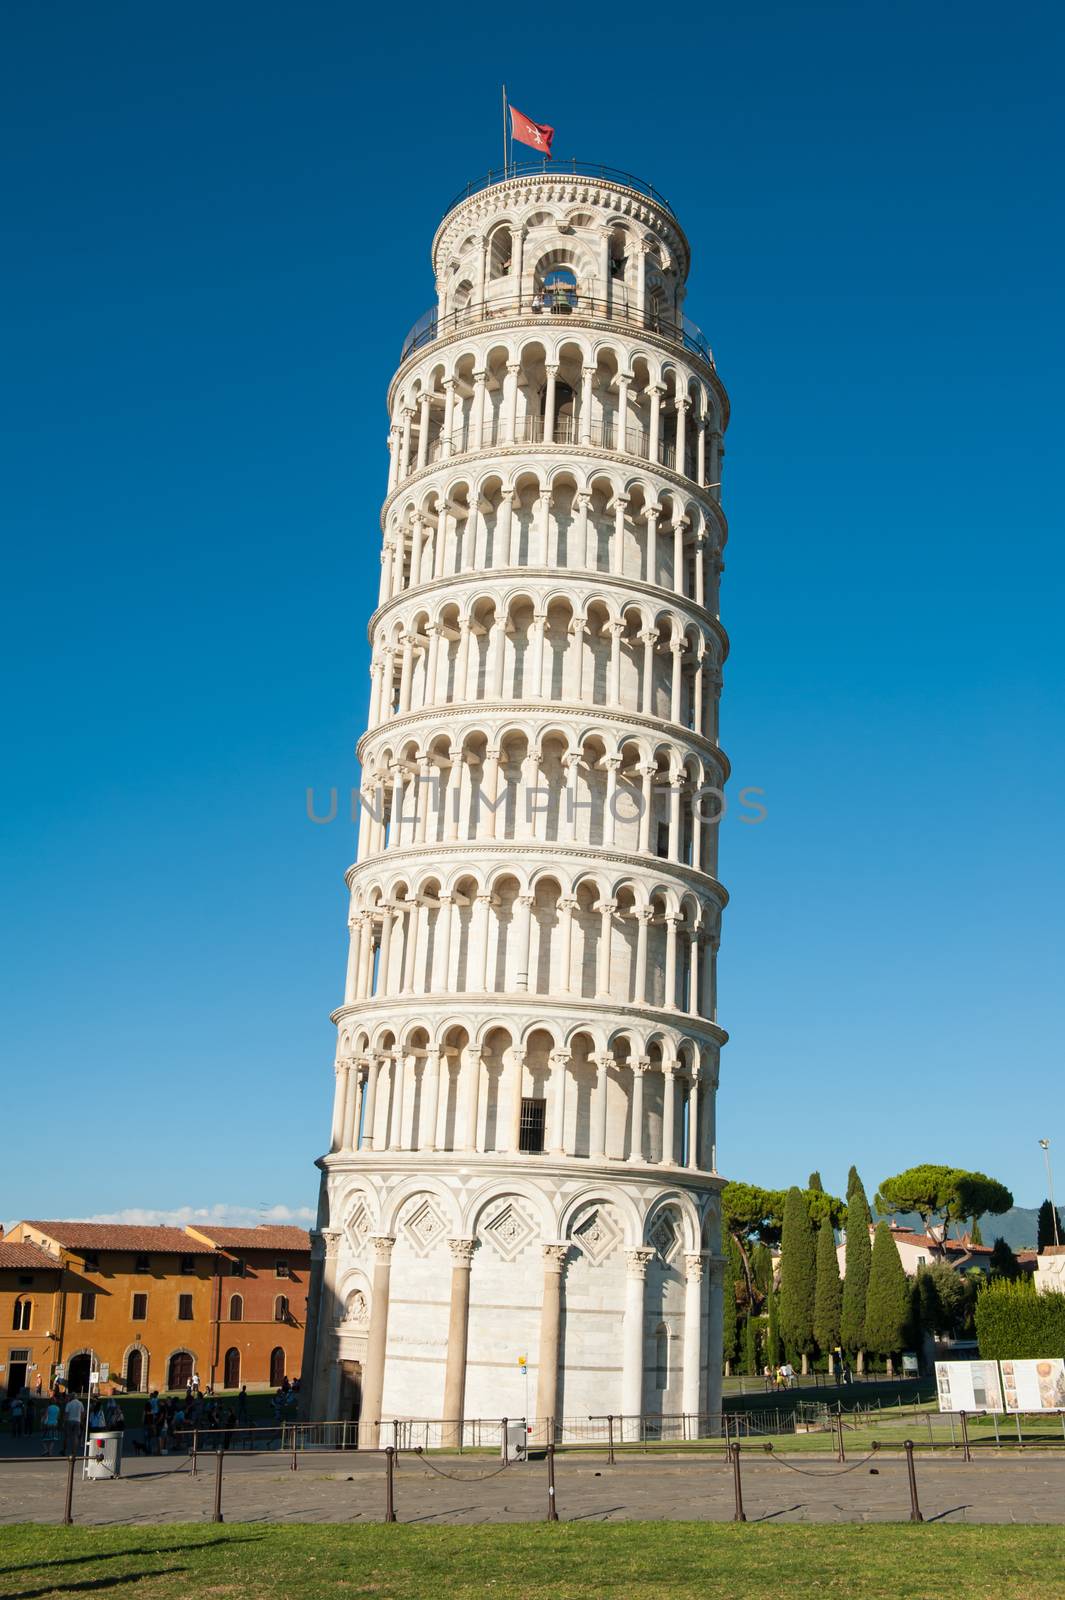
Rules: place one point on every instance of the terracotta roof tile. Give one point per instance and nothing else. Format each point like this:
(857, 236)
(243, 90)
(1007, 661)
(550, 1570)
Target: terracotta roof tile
(119, 1236)
(265, 1237)
(25, 1256)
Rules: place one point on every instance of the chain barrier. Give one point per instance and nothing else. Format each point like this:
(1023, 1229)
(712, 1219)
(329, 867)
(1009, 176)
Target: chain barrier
(838, 1473)
(458, 1477)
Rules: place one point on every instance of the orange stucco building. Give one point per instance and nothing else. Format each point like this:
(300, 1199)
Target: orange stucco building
(30, 1310)
(261, 1302)
(156, 1304)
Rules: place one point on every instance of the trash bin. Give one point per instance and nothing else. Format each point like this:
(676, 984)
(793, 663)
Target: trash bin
(103, 1455)
(516, 1444)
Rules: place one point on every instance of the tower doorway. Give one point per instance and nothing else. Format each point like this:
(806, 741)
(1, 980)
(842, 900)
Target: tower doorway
(349, 1408)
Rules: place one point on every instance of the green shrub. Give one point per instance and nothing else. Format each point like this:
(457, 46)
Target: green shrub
(1012, 1320)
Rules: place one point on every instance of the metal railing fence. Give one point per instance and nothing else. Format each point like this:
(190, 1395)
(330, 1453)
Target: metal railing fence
(555, 306)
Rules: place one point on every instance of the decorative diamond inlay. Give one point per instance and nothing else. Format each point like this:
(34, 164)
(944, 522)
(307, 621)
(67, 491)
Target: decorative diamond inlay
(597, 1234)
(423, 1225)
(665, 1235)
(358, 1225)
(506, 1228)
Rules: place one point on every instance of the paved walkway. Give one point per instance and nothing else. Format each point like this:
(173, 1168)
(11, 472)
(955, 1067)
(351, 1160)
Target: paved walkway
(333, 1487)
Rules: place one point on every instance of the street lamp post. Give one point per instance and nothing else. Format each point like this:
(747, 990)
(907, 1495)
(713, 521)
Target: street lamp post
(1044, 1145)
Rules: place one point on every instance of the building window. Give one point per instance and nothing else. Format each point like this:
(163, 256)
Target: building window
(188, 1265)
(91, 1261)
(277, 1367)
(142, 1264)
(87, 1311)
(184, 1308)
(281, 1308)
(231, 1369)
(140, 1307)
(281, 1269)
(236, 1308)
(236, 1268)
(531, 1132)
(23, 1315)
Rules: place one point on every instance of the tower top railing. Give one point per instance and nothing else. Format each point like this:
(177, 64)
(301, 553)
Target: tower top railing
(561, 168)
(555, 306)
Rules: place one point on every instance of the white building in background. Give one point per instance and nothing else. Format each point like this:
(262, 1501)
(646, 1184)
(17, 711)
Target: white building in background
(1050, 1269)
(523, 1153)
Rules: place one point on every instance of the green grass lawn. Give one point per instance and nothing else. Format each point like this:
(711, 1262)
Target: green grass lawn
(626, 1561)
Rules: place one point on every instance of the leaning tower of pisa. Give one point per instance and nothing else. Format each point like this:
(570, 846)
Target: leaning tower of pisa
(523, 1153)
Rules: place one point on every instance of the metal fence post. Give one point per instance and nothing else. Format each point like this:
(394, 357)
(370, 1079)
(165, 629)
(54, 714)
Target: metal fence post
(390, 1489)
(68, 1506)
(728, 1443)
(195, 1445)
(610, 1440)
(552, 1508)
(295, 1446)
(739, 1515)
(841, 1454)
(967, 1454)
(219, 1458)
(915, 1510)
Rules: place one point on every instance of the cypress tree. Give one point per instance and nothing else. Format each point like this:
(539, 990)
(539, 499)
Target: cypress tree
(750, 1346)
(1003, 1262)
(828, 1295)
(975, 1236)
(772, 1338)
(1045, 1227)
(814, 1182)
(798, 1276)
(887, 1308)
(855, 1266)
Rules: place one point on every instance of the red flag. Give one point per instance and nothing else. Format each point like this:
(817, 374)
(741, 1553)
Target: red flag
(527, 132)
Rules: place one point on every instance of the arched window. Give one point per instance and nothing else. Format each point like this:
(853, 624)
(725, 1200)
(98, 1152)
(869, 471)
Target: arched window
(231, 1369)
(23, 1314)
(281, 1308)
(560, 290)
(179, 1370)
(236, 1308)
(277, 1367)
(135, 1371)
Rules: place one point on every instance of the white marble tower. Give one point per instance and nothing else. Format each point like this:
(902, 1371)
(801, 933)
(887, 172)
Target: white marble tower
(523, 1153)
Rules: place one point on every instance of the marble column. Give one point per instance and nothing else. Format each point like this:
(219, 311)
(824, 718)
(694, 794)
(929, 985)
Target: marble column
(632, 1355)
(457, 1335)
(692, 1358)
(373, 1375)
(550, 1326)
(639, 1069)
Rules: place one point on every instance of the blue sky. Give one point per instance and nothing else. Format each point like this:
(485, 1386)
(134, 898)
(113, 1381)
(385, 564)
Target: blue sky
(217, 222)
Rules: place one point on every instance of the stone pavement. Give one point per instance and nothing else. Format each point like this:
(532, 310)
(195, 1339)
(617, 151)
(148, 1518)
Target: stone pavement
(334, 1487)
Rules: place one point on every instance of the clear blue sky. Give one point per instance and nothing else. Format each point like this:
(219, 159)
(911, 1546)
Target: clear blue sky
(217, 221)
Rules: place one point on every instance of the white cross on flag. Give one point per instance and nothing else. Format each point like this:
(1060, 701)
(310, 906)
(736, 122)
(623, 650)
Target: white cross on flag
(527, 132)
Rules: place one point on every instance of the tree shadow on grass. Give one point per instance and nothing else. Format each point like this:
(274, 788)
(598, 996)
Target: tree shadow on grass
(115, 1555)
(88, 1585)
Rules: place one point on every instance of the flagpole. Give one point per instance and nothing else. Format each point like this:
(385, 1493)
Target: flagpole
(504, 132)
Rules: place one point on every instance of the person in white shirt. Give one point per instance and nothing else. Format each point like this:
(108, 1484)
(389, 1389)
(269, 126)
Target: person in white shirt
(74, 1417)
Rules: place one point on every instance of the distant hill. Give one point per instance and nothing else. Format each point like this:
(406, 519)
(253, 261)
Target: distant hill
(1017, 1226)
